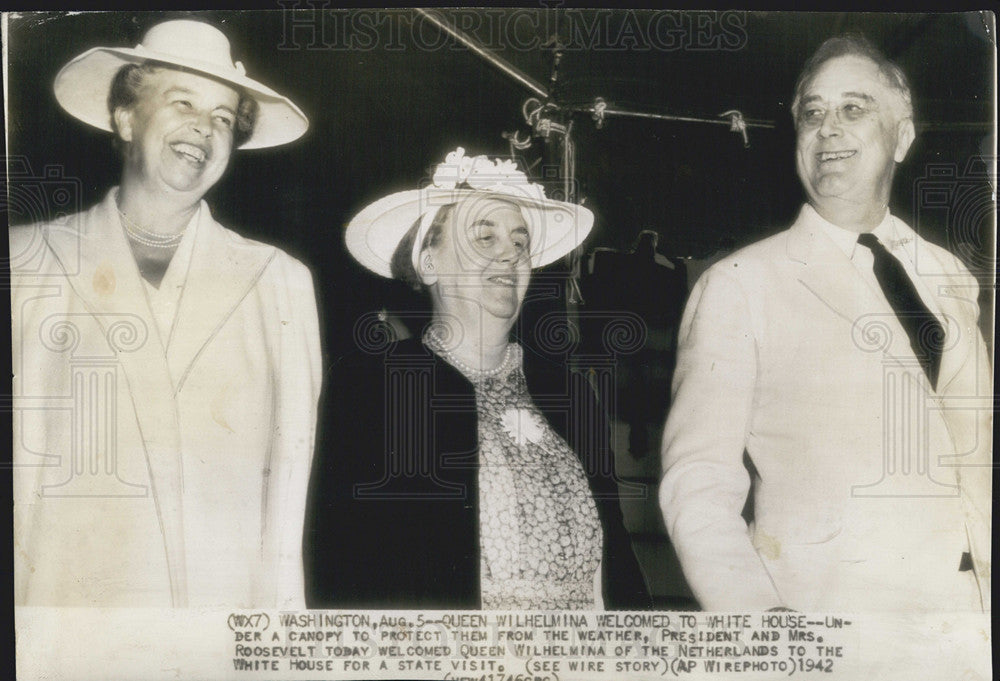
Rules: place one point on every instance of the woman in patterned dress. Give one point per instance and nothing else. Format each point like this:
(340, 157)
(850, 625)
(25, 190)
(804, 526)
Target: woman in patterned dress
(461, 471)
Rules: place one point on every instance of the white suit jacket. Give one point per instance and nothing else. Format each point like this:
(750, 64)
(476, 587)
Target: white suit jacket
(152, 471)
(869, 485)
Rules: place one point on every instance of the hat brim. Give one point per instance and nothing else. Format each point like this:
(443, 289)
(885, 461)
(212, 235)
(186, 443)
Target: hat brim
(372, 236)
(82, 86)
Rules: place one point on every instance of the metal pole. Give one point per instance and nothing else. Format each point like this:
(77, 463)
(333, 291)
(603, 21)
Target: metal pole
(689, 119)
(499, 62)
(599, 109)
(574, 296)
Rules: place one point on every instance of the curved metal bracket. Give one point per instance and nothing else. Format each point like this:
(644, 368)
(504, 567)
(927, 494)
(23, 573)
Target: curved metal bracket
(737, 124)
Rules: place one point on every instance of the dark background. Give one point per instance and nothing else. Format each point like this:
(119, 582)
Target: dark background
(388, 95)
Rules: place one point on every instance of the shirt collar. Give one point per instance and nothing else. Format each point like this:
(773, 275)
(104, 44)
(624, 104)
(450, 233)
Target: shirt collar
(886, 231)
(846, 239)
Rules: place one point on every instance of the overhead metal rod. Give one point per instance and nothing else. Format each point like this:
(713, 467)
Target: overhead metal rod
(599, 110)
(499, 62)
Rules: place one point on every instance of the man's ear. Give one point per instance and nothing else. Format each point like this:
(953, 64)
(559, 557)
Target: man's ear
(123, 123)
(426, 267)
(905, 134)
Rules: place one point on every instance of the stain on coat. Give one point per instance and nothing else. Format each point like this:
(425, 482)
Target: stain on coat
(218, 407)
(769, 547)
(104, 279)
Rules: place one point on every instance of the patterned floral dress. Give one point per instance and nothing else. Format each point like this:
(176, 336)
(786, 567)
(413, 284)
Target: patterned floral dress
(540, 535)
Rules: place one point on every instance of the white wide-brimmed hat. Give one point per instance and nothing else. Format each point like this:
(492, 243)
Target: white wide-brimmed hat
(556, 227)
(82, 86)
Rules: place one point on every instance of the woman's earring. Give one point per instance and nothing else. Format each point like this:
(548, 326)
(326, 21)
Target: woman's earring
(427, 275)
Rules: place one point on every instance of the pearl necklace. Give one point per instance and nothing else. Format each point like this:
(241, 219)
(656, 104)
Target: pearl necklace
(147, 238)
(434, 342)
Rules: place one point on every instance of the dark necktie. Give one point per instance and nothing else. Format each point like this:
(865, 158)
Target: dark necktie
(925, 331)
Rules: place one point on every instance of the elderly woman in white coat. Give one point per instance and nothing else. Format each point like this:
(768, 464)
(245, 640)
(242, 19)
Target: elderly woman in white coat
(167, 370)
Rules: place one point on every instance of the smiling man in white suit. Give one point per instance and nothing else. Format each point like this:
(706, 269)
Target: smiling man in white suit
(843, 358)
(167, 370)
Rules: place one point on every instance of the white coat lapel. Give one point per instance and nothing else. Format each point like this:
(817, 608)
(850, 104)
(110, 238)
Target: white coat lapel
(101, 270)
(945, 295)
(224, 268)
(831, 276)
(828, 273)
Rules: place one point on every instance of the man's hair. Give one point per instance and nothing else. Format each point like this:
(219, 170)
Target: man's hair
(855, 45)
(401, 264)
(128, 80)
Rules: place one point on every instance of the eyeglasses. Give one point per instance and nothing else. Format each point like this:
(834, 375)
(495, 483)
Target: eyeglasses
(813, 116)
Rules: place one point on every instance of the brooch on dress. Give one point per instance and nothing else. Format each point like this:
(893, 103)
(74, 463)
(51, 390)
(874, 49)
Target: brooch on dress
(523, 425)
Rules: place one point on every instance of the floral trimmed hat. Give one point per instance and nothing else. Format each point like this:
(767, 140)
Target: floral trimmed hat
(556, 227)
